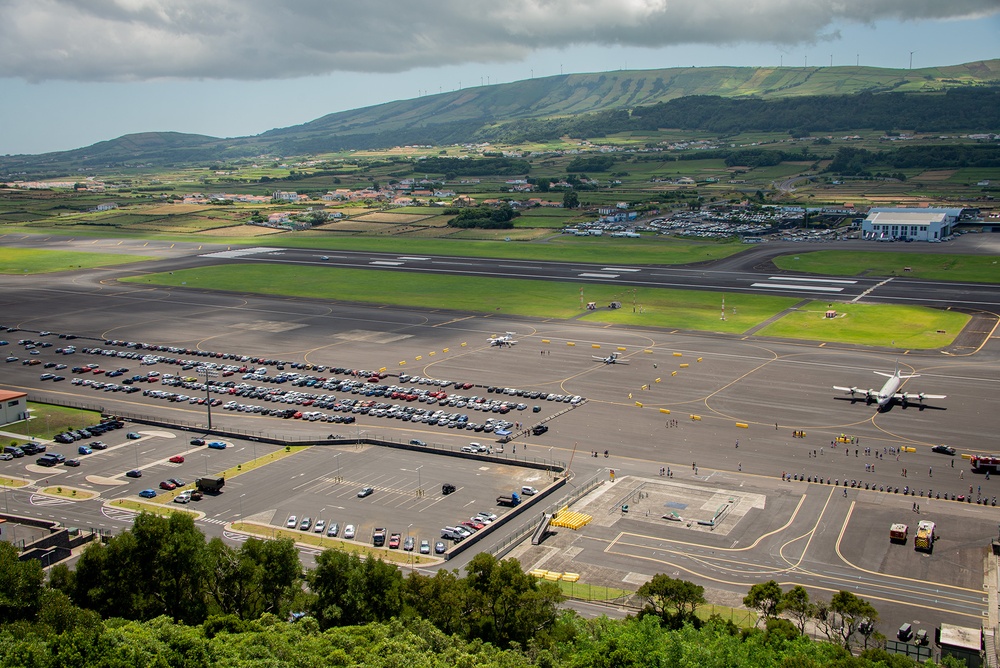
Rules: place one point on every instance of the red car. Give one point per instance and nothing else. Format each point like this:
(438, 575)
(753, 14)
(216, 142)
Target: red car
(394, 541)
(167, 485)
(177, 459)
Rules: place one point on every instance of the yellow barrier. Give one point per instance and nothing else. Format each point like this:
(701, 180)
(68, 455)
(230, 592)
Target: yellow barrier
(665, 411)
(570, 343)
(742, 425)
(552, 576)
(538, 573)
(431, 354)
(699, 359)
(382, 370)
(639, 404)
(419, 357)
(570, 577)
(464, 344)
(684, 366)
(595, 345)
(644, 387)
(678, 354)
(402, 363)
(648, 351)
(907, 448)
(696, 417)
(673, 373)
(965, 456)
(621, 348)
(657, 380)
(546, 341)
(445, 350)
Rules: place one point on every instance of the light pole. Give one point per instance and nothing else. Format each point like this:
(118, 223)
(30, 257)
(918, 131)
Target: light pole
(420, 489)
(550, 460)
(208, 374)
(411, 551)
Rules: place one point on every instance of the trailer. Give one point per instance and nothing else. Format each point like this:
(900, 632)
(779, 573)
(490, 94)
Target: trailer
(924, 540)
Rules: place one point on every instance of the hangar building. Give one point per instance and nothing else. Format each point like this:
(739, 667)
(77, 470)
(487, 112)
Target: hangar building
(13, 406)
(902, 224)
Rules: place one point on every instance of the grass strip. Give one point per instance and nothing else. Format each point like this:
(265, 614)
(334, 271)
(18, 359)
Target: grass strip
(910, 327)
(32, 261)
(654, 307)
(933, 266)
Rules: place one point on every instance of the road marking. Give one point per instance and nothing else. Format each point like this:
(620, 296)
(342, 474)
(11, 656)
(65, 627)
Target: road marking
(413, 257)
(619, 269)
(386, 263)
(598, 275)
(810, 280)
(244, 251)
(785, 286)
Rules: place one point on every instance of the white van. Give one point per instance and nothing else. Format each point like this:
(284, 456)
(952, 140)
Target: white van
(528, 491)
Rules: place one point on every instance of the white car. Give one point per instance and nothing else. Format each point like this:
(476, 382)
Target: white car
(292, 522)
(320, 525)
(349, 531)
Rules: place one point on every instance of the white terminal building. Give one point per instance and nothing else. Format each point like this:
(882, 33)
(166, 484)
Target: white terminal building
(904, 224)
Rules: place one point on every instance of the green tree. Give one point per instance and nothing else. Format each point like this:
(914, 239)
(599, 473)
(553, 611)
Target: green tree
(350, 591)
(844, 615)
(21, 585)
(506, 604)
(158, 567)
(570, 199)
(441, 599)
(764, 598)
(795, 603)
(671, 599)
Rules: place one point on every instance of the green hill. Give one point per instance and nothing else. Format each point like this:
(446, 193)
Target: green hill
(535, 108)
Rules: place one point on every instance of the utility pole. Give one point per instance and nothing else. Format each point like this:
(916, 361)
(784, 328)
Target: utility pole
(208, 374)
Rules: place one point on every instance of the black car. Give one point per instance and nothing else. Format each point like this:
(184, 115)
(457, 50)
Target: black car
(539, 429)
(943, 449)
(134, 473)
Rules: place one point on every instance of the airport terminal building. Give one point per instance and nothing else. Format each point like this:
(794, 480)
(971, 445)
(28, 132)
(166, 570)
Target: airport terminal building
(901, 224)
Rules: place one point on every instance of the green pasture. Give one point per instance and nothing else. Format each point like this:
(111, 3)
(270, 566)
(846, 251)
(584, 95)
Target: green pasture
(31, 261)
(907, 327)
(935, 266)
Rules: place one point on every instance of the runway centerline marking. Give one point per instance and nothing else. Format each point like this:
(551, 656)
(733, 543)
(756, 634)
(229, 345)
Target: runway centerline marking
(598, 275)
(810, 280)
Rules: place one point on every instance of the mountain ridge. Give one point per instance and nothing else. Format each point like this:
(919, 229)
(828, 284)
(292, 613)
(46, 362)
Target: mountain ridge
(458, 116)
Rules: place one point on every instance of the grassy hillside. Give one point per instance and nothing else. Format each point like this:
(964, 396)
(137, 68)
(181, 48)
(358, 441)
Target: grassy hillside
(467, 115)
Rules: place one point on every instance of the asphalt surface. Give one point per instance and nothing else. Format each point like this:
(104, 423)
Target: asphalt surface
(690, 420)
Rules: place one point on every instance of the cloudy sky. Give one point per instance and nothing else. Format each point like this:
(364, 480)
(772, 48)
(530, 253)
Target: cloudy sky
(76, 72)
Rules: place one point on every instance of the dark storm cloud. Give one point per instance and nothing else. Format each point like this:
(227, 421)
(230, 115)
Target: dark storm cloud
(135, 40)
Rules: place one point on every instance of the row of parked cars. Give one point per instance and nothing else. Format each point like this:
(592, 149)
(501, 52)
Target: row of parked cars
(90, 432)
(462, 530)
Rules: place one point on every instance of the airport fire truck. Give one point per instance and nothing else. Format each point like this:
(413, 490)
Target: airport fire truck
(898, 533)
(984, 463)
(924, 540)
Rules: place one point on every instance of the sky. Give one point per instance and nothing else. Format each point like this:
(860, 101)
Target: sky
(76, 72)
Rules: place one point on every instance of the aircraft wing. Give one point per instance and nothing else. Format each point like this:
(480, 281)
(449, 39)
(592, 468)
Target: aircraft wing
(919, 396)
(843, 389)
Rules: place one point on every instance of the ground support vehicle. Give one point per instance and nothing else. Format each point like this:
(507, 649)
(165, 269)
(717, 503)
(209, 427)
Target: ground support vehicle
(924, 540)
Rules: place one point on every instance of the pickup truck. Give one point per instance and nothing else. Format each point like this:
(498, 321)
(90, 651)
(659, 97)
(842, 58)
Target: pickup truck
(378, 537)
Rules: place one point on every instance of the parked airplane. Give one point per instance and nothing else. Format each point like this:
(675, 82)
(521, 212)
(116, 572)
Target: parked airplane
(888, 393)
(501, 341)
(610, 359)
